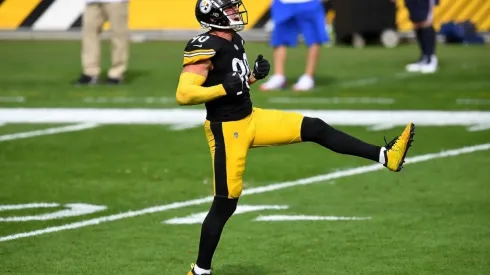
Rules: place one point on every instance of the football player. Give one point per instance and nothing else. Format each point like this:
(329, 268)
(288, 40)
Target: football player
(216, 72)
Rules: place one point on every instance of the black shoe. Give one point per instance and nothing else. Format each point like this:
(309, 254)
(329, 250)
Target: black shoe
(86, 80)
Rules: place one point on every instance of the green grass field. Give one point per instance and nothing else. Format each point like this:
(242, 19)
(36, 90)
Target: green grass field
(117, 193)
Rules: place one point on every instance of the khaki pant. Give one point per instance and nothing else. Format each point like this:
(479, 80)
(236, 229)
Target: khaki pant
(94, 17)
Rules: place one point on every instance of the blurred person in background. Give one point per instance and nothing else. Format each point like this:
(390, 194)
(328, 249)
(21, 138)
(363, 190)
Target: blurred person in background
(96, 13)
(421, 14)
(291, 18)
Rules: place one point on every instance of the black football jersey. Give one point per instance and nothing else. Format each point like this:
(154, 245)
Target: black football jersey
(226, 56)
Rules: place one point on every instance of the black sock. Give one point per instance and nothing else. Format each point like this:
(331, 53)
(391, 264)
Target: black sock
(316, 130)
(428, 35)
(418, 35)
(221, 210)
(431, 41)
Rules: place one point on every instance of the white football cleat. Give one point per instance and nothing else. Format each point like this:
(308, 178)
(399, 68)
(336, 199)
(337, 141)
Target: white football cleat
(305, 83)
(275, 82)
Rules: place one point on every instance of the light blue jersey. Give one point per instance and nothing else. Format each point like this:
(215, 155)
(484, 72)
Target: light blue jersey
(294, 17)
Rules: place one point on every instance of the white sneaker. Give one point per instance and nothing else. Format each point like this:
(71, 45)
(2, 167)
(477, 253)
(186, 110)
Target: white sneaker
(429, 67)
(275, 82)
(305, 83)
(414, 67)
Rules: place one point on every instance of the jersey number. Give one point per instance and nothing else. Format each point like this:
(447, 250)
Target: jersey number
(200, 39)
(241, 67)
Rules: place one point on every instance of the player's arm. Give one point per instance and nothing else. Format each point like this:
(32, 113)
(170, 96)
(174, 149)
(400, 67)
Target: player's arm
(197, 63)
(190, 90)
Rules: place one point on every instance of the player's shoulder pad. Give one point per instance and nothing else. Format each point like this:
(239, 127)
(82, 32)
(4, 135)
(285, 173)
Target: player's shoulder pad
(201, 47)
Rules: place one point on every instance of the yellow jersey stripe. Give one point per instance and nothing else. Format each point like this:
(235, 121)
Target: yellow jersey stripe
(196, 54)
(200, 51)
(196, 58)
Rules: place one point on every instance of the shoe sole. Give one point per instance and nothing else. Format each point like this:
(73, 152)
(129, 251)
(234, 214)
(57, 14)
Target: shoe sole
(409, 144)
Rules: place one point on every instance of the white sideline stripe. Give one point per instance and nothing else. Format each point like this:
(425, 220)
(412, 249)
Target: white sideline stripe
(179, 116)
(49, 131)
(257, 190)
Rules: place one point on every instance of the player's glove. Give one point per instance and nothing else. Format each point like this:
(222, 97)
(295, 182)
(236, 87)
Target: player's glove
(233, 84)
(261, 68)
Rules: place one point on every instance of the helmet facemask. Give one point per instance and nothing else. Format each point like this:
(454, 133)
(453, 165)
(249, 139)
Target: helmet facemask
(232, 15)
(237, 15)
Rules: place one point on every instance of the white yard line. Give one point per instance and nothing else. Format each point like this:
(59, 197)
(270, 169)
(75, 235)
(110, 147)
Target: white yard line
(257, 190)
(71, 210)
(49, 131)
(27, 206)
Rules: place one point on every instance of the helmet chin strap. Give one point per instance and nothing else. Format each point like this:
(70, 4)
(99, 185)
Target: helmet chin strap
(236, 28)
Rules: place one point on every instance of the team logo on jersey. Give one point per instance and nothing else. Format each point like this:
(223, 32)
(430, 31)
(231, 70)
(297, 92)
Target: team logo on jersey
(205, 6)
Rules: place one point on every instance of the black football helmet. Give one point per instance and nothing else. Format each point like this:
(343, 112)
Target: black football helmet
(222, 14)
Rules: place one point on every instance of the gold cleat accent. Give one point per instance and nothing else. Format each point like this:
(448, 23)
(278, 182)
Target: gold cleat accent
(192, 270)
(397, 149)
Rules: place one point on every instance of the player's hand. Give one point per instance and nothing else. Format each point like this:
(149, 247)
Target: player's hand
(261, 68)
(233, 84)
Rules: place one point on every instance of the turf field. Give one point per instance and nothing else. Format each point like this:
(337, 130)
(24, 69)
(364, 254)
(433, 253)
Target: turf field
(116, 180)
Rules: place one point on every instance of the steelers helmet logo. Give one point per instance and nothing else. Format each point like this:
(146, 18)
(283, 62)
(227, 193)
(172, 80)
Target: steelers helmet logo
(205, 6)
